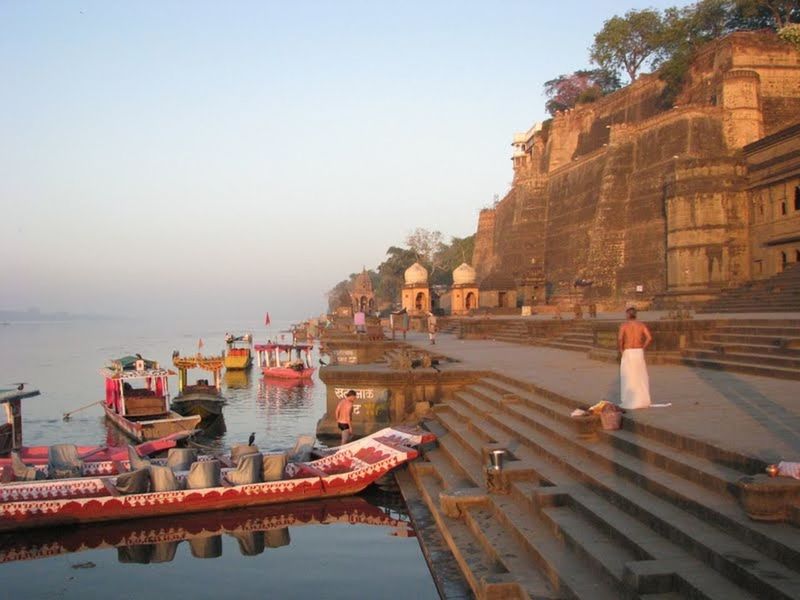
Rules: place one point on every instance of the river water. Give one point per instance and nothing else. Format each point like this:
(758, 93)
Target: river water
(350, 548)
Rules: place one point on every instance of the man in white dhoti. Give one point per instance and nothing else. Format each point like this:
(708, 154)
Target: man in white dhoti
(632, 339)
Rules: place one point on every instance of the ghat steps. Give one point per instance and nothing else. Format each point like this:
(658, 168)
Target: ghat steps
(579, 337)
(779, 293)
(637, 512)
(758, 347)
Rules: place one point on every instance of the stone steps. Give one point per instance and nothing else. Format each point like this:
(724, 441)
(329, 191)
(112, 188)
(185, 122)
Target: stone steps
(640, 516)
(781, 292)
(740, 367)
(747, 358)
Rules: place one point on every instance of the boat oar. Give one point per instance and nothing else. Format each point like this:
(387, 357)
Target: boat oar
(67, 415)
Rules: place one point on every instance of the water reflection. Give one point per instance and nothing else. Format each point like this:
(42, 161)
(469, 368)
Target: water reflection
(156, 540)
(237, 379)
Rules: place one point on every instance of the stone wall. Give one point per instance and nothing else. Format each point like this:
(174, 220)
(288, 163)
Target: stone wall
(641, 198)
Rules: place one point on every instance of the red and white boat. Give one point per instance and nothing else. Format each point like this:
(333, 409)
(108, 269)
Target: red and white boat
(345, 472)
(285, 361)
(137, 399)
(11, 439)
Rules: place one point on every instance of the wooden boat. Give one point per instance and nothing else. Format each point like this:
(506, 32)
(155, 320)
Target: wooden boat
(238, 354)
(201, 398)
(142, 412)
(11, 439)
(345, 472)
(145, 540)
(284, 361)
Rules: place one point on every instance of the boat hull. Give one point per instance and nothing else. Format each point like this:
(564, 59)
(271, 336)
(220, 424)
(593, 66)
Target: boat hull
(152, 429)
(234, 363)
(287, 373)
(207, 406)
(88, 500)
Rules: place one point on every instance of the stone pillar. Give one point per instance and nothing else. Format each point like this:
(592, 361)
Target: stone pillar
(741, 100)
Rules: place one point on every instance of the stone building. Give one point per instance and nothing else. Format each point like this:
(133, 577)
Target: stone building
(416, 295)
(654, 202)
(464, 294)
(362, 297)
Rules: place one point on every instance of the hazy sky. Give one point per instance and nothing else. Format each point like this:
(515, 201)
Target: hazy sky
(199, 158)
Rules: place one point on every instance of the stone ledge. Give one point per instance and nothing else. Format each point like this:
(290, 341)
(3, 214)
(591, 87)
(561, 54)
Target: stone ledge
(767, 498)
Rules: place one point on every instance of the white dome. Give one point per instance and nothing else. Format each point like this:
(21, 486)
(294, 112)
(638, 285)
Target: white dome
(463, 275)
(416, 274)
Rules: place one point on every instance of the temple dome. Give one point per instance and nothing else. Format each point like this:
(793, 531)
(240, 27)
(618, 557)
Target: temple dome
(363, 283)
(464, 275)
(416, 274)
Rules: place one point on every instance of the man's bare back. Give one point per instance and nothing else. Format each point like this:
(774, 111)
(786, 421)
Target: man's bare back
(633, 334)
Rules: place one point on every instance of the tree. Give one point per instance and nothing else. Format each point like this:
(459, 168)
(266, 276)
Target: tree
(627, 43)
(458, 251)
(565, 91)
(777, 13)
(426, 245)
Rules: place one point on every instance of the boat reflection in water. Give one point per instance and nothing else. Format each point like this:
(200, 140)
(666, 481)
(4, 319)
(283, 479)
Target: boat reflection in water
(156, 540)
(237, 379)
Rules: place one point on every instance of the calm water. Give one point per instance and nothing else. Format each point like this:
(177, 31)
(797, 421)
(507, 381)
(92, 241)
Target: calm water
(352, 549)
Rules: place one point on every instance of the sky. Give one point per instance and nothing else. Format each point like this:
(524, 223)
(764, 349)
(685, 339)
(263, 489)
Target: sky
(199, 159)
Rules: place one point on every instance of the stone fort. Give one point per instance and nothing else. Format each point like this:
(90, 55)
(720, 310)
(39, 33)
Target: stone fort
(626, 199)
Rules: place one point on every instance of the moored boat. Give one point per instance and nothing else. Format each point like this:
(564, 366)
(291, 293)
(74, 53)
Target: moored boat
(11, 440)
(200, 398)
(284, 361)
(238, 354)
(142, 412)
(252, 479)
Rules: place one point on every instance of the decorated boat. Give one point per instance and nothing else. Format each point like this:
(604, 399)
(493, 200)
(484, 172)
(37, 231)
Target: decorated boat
(285, 361)
(137, 399)
(239, 351)
(155, 540)
(39, 456)
(247, 478)
(200, 398)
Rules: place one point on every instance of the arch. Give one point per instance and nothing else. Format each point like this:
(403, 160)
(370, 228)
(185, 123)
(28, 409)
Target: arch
(419, 301)
(469, 301)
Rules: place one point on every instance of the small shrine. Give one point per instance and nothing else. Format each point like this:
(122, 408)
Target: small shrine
(362, 296)
(464, 294)
(416, 291)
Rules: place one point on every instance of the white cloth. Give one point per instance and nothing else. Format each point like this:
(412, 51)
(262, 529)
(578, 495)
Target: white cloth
(634, 382)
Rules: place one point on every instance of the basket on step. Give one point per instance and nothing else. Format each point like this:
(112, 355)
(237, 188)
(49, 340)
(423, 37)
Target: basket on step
(611, 419)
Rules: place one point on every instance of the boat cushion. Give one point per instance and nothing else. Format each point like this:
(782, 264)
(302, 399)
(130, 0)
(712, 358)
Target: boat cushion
(162, 479)
(302, 448)
(247, 471)
(135, 482)
(240, 450)
(64, 461)
(23, 472)
(137, 462)
(204, 474)
(274, 464)
(180, 459)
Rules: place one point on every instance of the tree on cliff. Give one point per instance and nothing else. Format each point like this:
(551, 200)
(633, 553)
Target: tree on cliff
(565, 91)
(628, 43)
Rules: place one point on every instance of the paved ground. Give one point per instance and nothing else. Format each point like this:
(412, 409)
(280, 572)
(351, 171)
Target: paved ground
(752, 415)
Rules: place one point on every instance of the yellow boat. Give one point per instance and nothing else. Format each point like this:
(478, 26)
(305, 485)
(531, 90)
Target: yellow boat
(239, 351)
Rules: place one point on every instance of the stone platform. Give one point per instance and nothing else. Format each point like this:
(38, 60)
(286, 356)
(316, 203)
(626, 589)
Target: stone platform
(653, 510)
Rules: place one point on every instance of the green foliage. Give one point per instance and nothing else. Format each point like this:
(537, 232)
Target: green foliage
(565, 91)
(791, 33)
(629, 42)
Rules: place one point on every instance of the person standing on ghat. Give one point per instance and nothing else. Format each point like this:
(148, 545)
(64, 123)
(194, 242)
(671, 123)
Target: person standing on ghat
(344, 413)
(632, 339)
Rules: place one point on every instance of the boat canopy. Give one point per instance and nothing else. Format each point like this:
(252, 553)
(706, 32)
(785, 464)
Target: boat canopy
(9, 395)
(198, 361)
(143, 374)
(128, 363)
(283, 347)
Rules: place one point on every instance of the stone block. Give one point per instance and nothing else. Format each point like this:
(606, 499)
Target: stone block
(767, 498)
(452, 501)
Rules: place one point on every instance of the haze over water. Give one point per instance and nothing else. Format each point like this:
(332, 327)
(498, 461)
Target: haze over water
(63, 360)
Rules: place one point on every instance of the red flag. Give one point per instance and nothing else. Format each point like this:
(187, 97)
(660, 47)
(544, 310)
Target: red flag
(266, 318)
(200, 343)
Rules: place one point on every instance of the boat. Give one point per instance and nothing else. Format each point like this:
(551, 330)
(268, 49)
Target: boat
(154, 540)
(345, 472)
(200, 398)
(238, 354)
(39, 456)
(142, 412)
(284, 361)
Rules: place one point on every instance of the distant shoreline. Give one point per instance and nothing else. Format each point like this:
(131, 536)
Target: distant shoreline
(7, 317)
